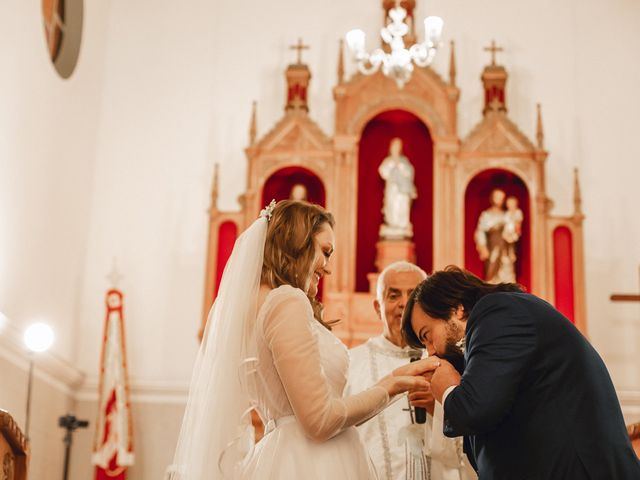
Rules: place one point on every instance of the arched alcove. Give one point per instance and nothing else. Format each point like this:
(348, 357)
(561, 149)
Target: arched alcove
(279, 184)
(372, 150)
(477, 199)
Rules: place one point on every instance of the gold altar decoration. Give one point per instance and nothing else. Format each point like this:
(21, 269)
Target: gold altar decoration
(496, 142)
(14, 449)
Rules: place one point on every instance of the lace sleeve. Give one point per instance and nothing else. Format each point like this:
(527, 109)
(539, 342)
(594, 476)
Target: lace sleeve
(288, 331)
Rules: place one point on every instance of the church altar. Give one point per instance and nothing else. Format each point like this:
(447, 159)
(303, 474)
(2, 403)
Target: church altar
(454, 179)
(13, 449)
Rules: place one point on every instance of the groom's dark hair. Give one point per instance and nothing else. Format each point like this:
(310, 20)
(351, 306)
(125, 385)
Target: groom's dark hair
(443, 292)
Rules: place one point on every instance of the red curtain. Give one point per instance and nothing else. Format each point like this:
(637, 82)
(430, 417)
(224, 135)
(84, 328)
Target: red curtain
(477, 199)
(278, 186)
(373, 148)
(227, 234)
(563, 271)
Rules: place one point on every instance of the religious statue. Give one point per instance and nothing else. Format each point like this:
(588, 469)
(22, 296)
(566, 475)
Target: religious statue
(512, 226)
(496, 236)
(399, 192)
(298, 192)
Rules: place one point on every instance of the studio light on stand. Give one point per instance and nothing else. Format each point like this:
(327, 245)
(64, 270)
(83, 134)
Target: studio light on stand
(38, 338)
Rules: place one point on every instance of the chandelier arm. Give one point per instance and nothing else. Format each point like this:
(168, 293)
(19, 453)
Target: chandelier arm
(368, 65)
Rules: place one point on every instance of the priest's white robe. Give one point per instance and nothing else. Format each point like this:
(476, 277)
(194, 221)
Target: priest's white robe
(384, 434)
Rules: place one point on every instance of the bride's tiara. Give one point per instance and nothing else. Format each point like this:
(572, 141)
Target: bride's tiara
(267, 211)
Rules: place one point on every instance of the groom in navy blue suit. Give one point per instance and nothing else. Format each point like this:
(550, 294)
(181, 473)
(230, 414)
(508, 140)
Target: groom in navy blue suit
(535, 400)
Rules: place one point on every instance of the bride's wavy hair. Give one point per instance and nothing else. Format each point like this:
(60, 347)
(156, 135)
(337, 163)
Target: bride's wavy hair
(289, 248)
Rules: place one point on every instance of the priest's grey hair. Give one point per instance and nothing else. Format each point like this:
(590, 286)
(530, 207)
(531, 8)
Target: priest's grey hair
(401, 266)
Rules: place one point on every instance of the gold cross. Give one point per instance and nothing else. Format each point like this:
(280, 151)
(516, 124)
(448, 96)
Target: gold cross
(299, 47)
(493, 49)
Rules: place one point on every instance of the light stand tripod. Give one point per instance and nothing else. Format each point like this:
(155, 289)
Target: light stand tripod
(70, 423)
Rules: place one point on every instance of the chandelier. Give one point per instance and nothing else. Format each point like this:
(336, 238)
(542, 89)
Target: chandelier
(398, 64)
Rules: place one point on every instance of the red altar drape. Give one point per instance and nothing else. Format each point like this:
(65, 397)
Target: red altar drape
(477, 199)
(563, 271)
(373, 148)
(227, 234)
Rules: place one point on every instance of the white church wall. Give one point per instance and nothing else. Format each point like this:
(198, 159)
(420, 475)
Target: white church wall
(154, 164)
(47, 148)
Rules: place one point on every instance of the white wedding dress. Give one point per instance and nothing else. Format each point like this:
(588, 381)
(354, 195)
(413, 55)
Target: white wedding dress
(300, 377)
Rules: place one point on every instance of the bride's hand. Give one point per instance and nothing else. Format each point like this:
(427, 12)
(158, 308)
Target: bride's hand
(424, 367)
(409, 377)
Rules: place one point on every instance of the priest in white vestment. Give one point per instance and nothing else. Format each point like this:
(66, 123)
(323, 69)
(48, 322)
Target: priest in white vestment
(400, 448)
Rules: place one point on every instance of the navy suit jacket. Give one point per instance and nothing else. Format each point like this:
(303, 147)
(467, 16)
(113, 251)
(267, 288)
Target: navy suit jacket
(536, 400)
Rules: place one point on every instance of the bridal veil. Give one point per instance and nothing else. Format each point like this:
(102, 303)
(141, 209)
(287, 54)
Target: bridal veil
(216, 433)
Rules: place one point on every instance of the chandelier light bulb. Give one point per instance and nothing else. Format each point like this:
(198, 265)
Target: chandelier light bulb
(355, 40)
(433, 29)
(38, 337)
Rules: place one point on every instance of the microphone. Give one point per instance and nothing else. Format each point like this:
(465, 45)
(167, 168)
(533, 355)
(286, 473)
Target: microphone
(420, 413)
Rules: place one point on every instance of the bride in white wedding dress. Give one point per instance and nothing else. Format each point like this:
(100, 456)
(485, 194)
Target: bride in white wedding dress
(267, 348)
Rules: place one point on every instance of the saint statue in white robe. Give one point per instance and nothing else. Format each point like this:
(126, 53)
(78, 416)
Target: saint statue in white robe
(399, 192)
(391, 436)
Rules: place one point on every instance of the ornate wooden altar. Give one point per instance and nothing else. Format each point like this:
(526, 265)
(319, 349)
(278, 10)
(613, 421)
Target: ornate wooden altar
(634, 436)
(454, 177)
(13, 449)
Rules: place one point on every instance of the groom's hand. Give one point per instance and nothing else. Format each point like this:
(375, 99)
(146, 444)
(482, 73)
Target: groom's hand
(444, 377)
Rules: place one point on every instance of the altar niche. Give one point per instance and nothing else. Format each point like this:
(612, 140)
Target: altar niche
(373, 148)
(294, 182)
(477, 199)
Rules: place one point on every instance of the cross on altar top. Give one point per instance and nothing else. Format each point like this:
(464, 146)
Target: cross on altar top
(299, 47)
(493, 49)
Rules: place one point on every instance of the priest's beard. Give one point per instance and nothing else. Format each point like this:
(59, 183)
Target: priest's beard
(453, 352)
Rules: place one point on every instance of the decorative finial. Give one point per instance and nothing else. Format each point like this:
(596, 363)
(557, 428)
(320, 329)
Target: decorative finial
(114, 276)
(341, 63)
(539, 130)
(267, 211)
(577, 194)
(253, 125)
(452, 65)
(214, 186)
(493, 49)
(495, 105)
(299, 47)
